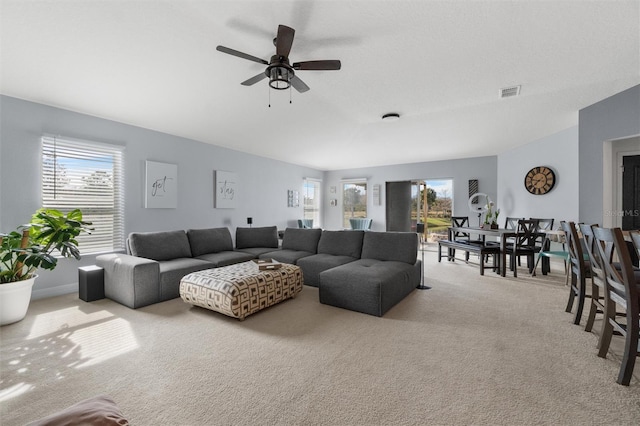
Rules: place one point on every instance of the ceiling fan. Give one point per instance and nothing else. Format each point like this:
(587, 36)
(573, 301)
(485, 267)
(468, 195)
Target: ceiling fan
(280, 71)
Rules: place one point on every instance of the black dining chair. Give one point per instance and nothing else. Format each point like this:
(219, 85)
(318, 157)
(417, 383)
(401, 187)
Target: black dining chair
(598, 277)
(579, 269)
(523, 244)
(543, 243)
(622, 291)
(460, 222)
(510, 223)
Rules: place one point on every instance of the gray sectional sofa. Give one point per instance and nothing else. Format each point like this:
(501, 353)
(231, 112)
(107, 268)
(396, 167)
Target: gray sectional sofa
(362, 271)
(157, 261)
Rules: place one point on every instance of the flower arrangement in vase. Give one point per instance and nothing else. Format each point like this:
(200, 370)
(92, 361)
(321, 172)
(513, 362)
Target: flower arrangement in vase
(491, 217)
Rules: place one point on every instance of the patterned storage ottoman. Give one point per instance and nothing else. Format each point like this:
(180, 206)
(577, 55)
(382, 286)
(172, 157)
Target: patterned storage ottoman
(242, 289)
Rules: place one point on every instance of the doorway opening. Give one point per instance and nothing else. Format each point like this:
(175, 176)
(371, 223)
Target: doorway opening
(621, 183)
(432, 205)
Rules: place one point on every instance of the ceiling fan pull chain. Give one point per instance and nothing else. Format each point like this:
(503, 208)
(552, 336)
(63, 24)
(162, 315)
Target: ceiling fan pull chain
(290, 95)
(269, 95)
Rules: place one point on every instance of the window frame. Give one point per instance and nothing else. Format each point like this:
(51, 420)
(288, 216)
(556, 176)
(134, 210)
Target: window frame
(316, 213)
(344, 183)
(93, 182)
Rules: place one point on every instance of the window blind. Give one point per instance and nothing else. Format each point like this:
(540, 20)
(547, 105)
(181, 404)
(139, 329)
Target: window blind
(87, 176)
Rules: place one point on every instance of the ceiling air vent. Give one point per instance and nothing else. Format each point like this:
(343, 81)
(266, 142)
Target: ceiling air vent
(507, 92)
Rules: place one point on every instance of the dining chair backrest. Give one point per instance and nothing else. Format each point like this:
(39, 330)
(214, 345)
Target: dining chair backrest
(511, 222)
(576, 253)
(544, 224)
(595, 262)
(460, 221)
(616, 260)
(621, 291)
(526, 233)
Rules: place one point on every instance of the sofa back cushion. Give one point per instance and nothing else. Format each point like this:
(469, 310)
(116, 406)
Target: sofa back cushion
(301, 239)
(341, 243)
(266, 236)
(210, 240)
(164, 245)
(398, 246)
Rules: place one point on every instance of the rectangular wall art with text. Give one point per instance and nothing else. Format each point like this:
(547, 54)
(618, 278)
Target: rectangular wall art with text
(161, 185)
(225, 185)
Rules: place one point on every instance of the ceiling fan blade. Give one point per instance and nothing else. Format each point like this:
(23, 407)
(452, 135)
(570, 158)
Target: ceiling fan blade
(253, 80)
(241, 55)
(284, 40)
(298, 84)
(327, 65)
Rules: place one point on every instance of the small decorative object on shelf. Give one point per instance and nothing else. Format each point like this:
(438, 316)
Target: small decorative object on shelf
(267, 264)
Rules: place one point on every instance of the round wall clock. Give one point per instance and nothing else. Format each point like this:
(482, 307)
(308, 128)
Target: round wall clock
(540, 180)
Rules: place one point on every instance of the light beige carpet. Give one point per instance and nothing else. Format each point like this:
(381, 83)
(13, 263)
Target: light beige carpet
(472, 350)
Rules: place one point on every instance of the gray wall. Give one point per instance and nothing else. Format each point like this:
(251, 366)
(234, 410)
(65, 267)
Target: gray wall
(613, 118)
(263, 183)
(558, 151)
(482, 168)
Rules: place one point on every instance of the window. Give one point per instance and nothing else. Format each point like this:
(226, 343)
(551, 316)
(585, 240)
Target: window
(86, 176)
(354, 201)
(312, 191)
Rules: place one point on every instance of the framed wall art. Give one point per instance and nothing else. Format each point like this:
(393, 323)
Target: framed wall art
(161, 185)
(226, 186)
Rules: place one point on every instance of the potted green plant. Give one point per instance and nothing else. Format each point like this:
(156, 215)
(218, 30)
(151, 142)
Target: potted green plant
(37, 244)
(494, 224)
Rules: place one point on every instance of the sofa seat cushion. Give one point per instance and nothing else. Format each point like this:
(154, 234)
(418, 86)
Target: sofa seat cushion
(172, 271)
(286, 256)
(159, 245)
(313, 265)
(225, 258)
(341, 243)
(211, 240)
(368, 285)
(256, 251)
(265, 236)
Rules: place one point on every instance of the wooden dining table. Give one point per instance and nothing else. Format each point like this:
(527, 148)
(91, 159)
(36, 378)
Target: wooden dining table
(502, 234)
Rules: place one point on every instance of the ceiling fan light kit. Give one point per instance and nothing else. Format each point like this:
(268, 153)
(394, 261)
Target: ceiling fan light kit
(279, 77)
(279, 71)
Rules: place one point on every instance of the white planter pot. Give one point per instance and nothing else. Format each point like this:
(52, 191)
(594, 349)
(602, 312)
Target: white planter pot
(14, 300)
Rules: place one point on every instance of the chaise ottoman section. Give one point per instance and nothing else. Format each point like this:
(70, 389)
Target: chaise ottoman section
(367, 285)
(386, 273)
(242, 289)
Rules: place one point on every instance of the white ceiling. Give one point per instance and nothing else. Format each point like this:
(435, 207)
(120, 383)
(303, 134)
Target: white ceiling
(440, 64)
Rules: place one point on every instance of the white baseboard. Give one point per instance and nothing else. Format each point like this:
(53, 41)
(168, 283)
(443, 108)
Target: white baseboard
(58, 290)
